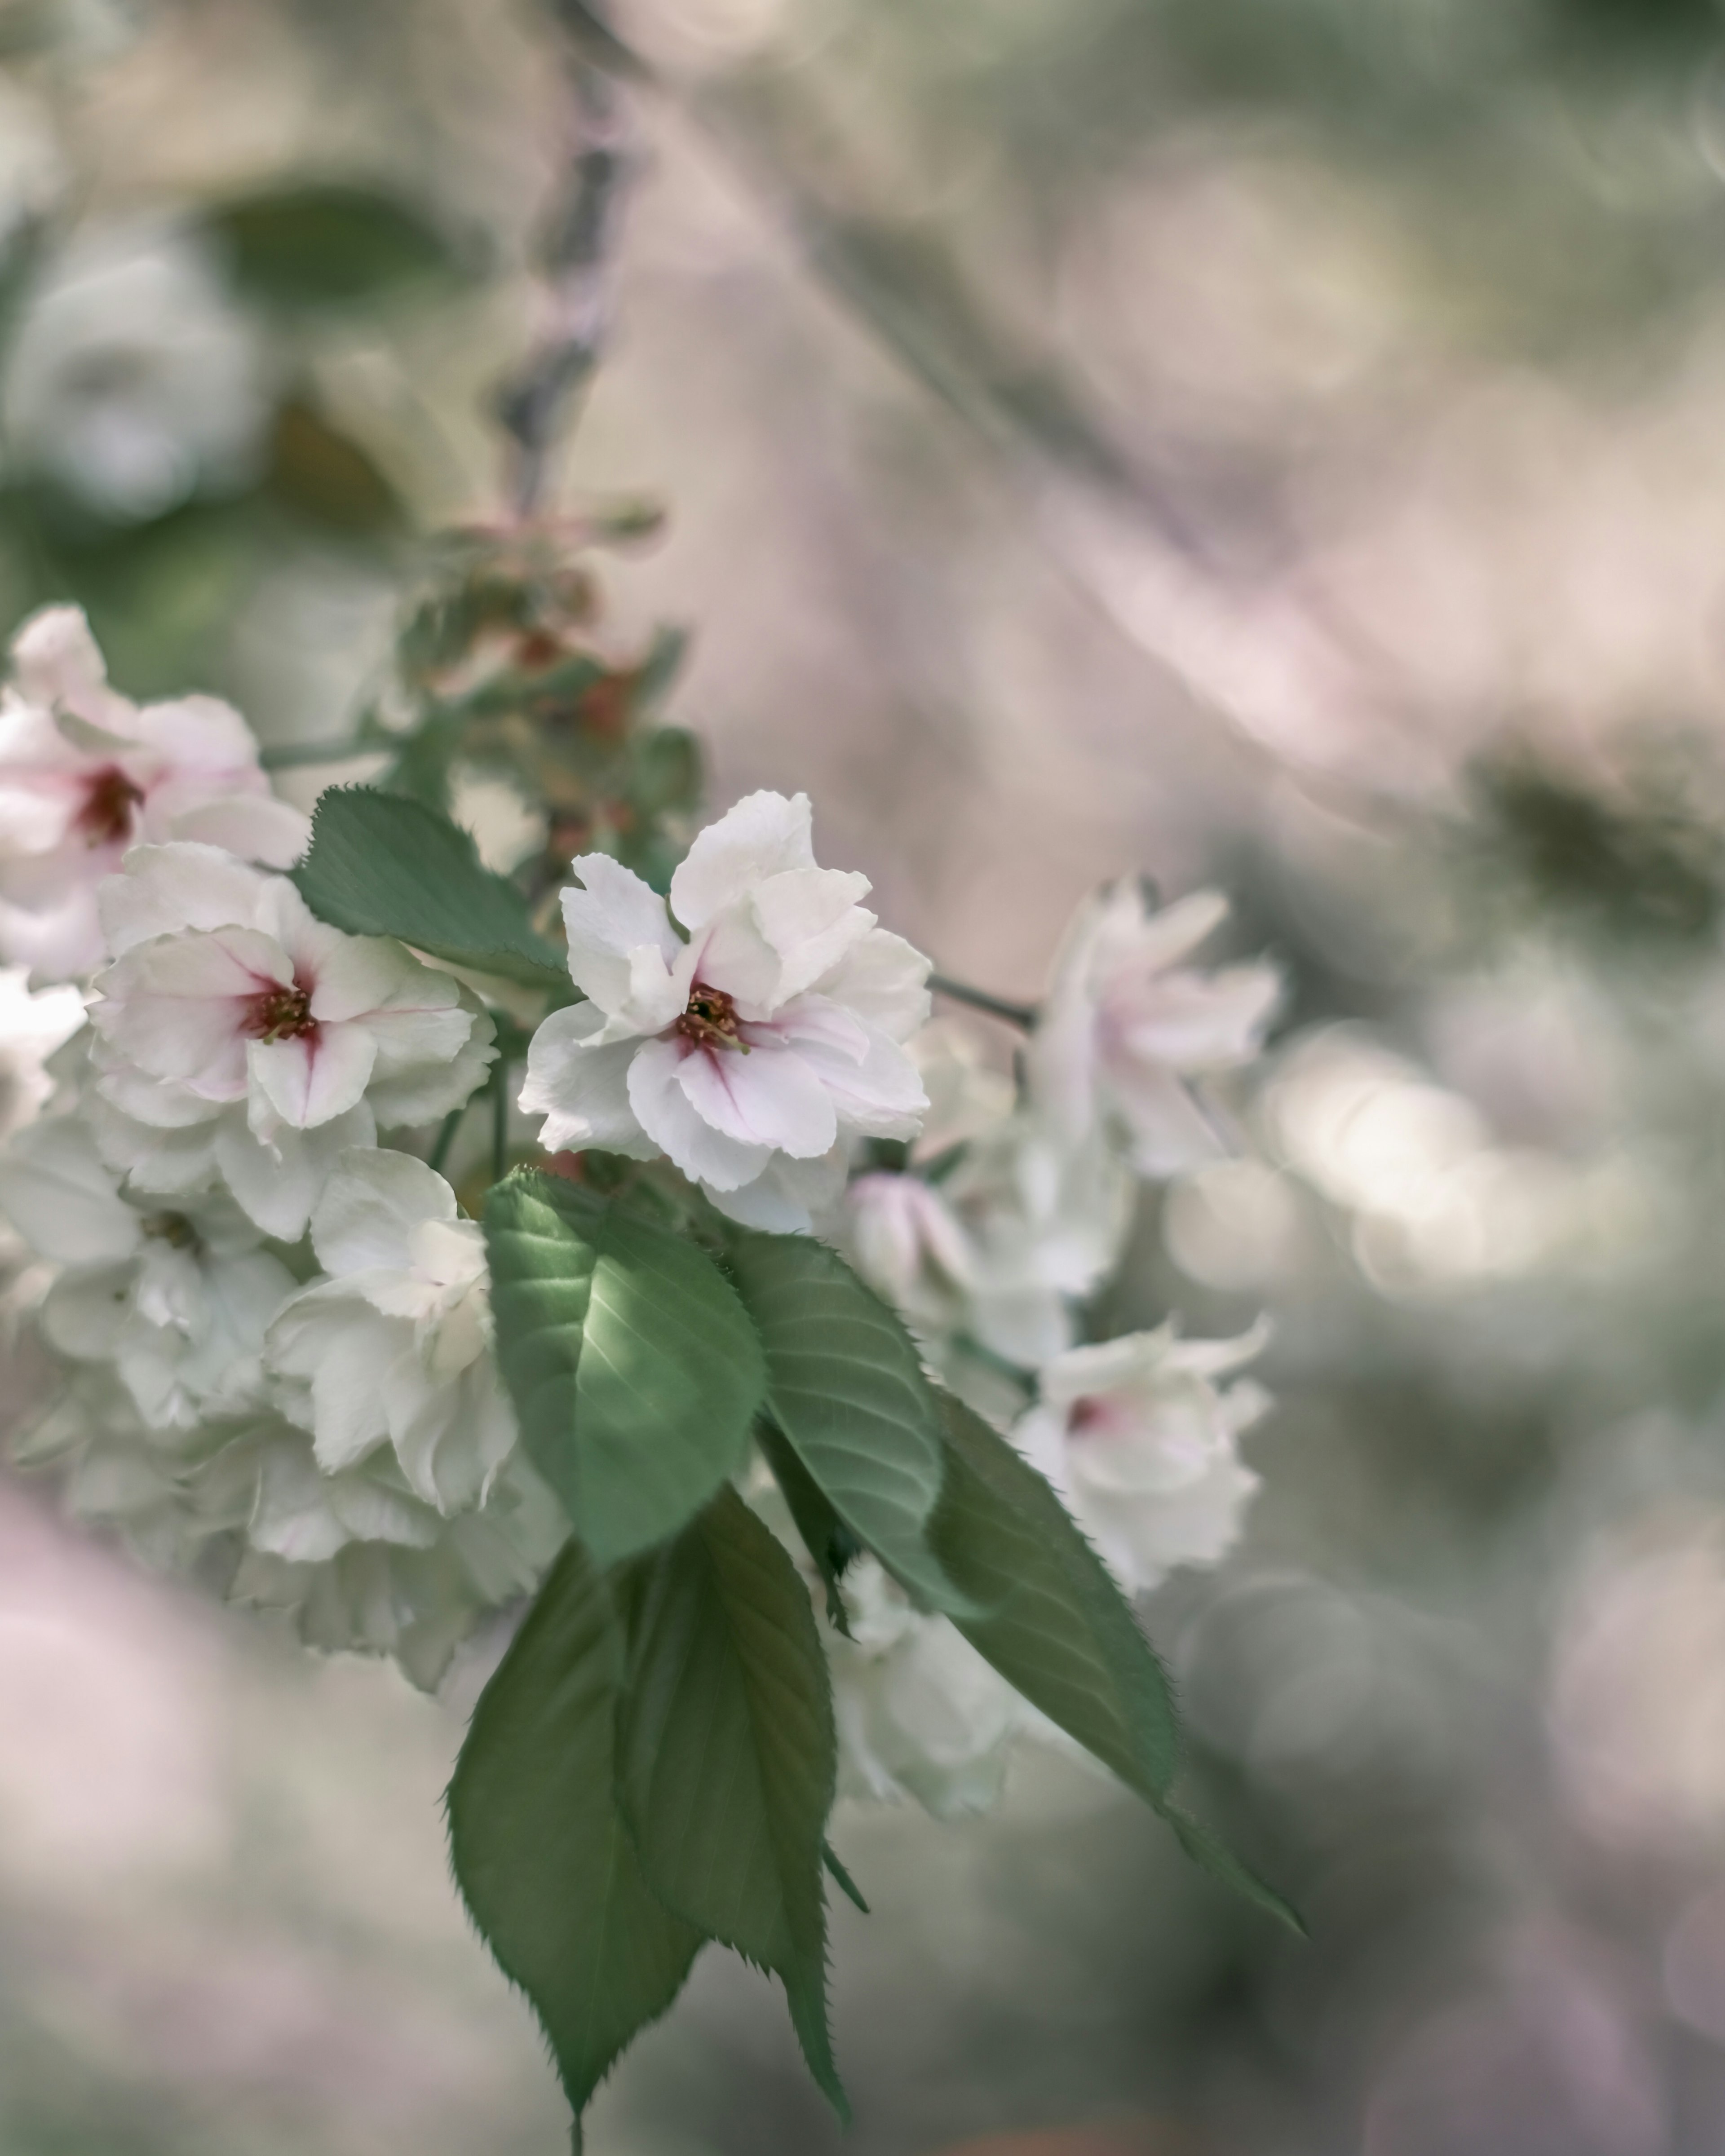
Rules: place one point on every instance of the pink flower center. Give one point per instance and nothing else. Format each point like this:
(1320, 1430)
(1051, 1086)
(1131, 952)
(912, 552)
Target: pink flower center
(107, 817)
(1091, 1412)
(710, 1020)
(279, 1013)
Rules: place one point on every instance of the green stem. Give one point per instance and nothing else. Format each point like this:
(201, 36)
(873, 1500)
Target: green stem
(446, 1138)
(500, 1121)
(283, 756)
(1020, 1014)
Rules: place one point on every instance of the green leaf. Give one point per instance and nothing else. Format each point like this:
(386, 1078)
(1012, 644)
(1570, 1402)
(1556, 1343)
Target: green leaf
(1210, 1854)
(323, 474)
(726, 1758)
(847, 1885)
(328, 245)
(830, 1544)
(633, 1369)
(540, 1854)
(384, 865)
(1050, 1620)
(845, 1385)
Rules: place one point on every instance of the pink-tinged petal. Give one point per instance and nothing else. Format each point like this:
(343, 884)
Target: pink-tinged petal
(179, 1008)
(202, 734)
(1170, 1132)
(1129, 935)
(763, 1096)
(167, 890)
(764, 834)
(311, 1078)
(812, 917)
(371, 1204)
(64, 944)
(55, 662)
(255, 827)
(815, 1020)
(622, 944)
(881, 1097)
(1194, 1021)
(581, 1087)
(670, 1118)
(734, 956)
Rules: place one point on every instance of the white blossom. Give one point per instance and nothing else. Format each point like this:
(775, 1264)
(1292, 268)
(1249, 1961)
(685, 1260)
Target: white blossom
(393, 1349)
(1140, 1442)
(176, 1301)
(920, 1714)
(747, 1030)
(1127, 1024)
(133, 382)
(85, 774)
(239, 1037)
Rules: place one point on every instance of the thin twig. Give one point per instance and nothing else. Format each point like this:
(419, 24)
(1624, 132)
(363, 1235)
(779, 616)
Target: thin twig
(1023, 1015)
(446, 1138)
(535, 404)
(500, 1119)
(283, 756)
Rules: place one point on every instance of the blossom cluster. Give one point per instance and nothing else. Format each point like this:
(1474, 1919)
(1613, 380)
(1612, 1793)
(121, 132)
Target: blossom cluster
(272, 1307)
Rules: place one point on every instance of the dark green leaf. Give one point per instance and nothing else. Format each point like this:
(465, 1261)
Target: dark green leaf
(828, 1541)
(328, 246)
(635, 1372)
(540, 1854)
(726, 1758)
(1210, 1854)
(847, 1885)
(383, 866)
(845, 1385)
(1051, 1620)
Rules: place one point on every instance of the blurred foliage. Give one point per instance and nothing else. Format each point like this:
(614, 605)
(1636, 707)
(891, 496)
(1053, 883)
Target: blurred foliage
(329, 246)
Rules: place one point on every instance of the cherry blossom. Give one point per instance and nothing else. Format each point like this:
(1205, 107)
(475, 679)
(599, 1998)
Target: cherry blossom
(746, 1030)
(393, 1349)
(177, 1301)
(1139, 1440)
(237, 1026)
(1127, 1024)
(85, 773)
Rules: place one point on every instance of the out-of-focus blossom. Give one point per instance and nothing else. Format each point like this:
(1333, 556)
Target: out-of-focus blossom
(1127, 1024)
(32, 170)
(1140, 1442)
(176, 1301)
(134, 383)
(85, 773)
(393, 1349)
(966, 1095)
(907, 1244)
(919, 1713)
(752, 1051)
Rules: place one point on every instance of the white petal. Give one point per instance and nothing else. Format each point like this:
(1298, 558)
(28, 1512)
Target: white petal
(277, 1185)
(767, 1096)
(61, 1200)
(622, 944)
(311, 1078)
(256, 826)
(885, 981)
(1196, 1022)
(787, 1196)
(55, 662)
(666, 1114)
(371, 1206)
(881, 1096)
(581, 1090)
(763, 835)
(163, 891)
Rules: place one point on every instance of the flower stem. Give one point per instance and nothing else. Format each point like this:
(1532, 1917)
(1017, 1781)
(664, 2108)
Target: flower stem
(446, 1138)
(1020, 1014)
(283, 756)
(500, 1119)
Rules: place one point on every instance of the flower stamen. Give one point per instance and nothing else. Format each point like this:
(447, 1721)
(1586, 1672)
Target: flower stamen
(279, 1013)
(106, 816)
(710, 1020)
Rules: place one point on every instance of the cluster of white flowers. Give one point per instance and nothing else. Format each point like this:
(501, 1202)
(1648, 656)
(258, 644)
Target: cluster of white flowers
(276, 1331)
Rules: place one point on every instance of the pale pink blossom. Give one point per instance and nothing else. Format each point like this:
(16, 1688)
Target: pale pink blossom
(747, 1030)
(85, 774)
(1140, 1442)
(1127, 1023)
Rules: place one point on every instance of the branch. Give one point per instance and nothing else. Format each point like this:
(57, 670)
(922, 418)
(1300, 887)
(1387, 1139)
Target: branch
(1023, 1015)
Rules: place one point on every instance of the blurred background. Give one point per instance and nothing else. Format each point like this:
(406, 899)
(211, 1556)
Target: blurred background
(1277, 442)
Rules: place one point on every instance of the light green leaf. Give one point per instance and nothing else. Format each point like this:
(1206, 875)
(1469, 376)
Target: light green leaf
(381, 865)
(546, 1869)
(634, 1371)
(726, 1758)
(845, 1385)
(1050, 1620)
